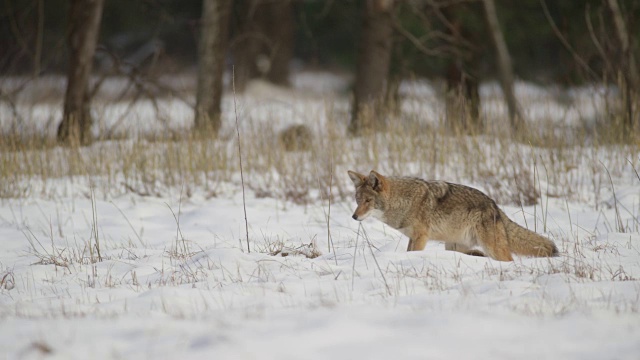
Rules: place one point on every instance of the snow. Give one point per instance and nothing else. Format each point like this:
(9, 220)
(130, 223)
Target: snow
(176, 280)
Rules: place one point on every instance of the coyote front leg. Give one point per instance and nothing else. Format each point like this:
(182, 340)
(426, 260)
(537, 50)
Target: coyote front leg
(418, 240)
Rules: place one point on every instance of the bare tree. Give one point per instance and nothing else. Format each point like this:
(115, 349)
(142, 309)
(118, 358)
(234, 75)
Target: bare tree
(212, 49)
(450, 33)
(83, 29)
(264, 45)
(374, 57)
(282, 27)
(505, 70)
(462, 98)
(628, 68)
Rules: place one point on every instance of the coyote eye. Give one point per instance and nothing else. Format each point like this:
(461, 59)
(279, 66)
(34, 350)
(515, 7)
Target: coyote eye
(368, 200)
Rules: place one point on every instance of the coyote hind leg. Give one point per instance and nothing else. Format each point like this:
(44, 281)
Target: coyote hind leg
(463, 249)
(493, 238)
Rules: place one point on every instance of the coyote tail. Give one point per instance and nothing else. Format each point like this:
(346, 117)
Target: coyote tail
(526, 242)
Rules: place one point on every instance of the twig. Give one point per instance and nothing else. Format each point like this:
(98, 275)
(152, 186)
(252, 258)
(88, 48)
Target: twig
(594, 38)
(615, 201)
(329, 238)
(569, 215)
(129, 222)
(95, 224)
(353, 266)
(366, 237)
(244, 202)
(535, 171)
(178, 230)
(545, 215)
(634, 169)
(564, 41)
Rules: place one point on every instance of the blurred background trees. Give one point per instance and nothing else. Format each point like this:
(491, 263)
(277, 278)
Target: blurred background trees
(82, 37)
(372, 65)
(263, 41)
(462, 42)
(212, 47)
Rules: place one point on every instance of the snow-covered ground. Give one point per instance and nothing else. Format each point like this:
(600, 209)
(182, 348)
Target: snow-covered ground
(174, 279)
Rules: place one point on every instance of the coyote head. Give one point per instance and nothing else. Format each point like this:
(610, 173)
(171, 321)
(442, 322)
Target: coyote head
(370, 191)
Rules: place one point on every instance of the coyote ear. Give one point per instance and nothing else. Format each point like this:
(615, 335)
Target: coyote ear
(358, 179)
(377, 181)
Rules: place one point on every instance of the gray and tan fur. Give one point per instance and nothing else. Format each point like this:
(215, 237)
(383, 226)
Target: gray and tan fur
(461, 216)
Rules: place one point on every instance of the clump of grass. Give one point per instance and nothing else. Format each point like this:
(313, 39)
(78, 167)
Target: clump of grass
(279, 247)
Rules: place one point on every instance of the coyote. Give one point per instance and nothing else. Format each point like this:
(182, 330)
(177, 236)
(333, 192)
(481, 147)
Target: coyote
(460, 216)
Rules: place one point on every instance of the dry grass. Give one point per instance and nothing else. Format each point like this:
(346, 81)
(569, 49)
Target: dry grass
(545, 159)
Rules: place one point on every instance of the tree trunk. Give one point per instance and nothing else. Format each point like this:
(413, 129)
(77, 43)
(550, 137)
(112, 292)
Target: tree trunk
(282, 27)
(374, 57)
(462, 98)
(264, 46)
(83, 29)
(628, 67)
(505, 70)
(247, 45)
(212, 49)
